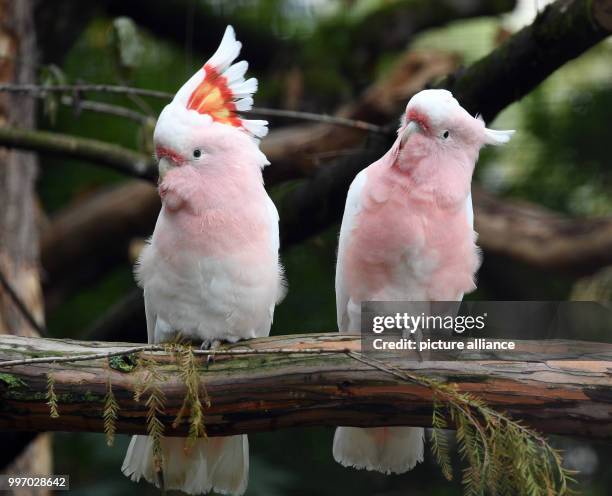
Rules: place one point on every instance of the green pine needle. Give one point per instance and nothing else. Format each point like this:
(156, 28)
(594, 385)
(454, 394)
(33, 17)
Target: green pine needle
(52, 397)
(110, 415)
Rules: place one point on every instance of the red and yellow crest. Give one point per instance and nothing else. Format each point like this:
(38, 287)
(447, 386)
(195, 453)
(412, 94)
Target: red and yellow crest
(214, 97)
(220, 90)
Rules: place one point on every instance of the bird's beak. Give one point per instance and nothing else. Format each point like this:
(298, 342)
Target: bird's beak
(411, 128)
(164, 165)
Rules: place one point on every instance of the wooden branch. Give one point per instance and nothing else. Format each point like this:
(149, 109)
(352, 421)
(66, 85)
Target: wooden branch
(564, 30)
(564, 387)
(540, 237)
(104, 108)
(64, 145)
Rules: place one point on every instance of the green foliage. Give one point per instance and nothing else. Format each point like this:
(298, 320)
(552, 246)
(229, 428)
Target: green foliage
(111, 410)
(123, 363)
(51, 397)
(11, 381)
(127, 44)
(502, 455)
(439, 442)
(192, 403)
(149, 385)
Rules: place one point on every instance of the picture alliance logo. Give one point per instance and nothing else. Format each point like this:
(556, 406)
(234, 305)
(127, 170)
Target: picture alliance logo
(412, 323)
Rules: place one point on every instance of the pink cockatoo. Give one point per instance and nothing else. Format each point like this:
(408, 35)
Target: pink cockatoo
(407, 235)
(211, 270)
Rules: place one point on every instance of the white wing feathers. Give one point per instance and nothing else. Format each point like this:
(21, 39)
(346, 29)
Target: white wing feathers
(351, 209)
(470, 210)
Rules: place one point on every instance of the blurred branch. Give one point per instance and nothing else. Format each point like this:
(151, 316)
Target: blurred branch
(40, 91)
(552, 391)
(542, 238)
(564, 30)
(383, 27)
(319, 201)
(95, 235)
(104, 108)
(64, 145)
(21, 306)
(101, 107)
(85, 88)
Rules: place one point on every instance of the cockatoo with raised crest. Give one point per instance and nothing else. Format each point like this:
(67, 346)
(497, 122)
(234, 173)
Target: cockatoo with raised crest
(211, 270)
(407, 235)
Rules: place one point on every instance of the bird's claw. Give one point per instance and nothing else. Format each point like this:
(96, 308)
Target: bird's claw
(210, 345)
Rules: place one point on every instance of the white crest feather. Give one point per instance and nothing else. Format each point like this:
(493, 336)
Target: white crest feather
(228, 50)
(235, 93)
(495, 137)
(257, 128)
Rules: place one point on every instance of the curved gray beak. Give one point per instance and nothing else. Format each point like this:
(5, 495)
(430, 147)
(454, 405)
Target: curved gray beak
(164, 165)
(411, 128)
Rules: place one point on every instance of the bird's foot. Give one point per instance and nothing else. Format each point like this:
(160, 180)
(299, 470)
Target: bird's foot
(210, 345)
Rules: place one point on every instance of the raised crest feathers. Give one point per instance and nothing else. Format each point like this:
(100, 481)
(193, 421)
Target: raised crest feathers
(220, 89)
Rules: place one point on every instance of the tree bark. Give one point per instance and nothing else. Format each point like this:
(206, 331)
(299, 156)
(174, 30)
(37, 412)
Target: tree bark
(562, 387)
(18, 230)
(564, 30)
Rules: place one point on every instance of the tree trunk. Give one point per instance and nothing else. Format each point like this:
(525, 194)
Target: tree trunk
(18, 230)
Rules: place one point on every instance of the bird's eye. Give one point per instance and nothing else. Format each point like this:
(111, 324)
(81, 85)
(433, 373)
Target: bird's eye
(197, 153)
(445, 134)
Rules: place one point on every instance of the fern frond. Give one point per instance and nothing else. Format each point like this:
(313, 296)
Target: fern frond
(111, 410)
(503, 456)
(439, 442)
(148, 386)
(192, 403)
(52, 397)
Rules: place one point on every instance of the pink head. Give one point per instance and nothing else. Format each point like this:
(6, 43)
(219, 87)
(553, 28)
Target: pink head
(436, 132)
(201, 128)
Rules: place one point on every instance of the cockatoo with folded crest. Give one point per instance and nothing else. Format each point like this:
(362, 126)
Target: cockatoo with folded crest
(211, 270)
(407, 235)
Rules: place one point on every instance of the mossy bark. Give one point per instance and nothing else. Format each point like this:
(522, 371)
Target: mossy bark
(556, 386)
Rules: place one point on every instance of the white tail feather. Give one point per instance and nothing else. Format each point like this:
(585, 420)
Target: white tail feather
(384, 449)
(218, 464)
